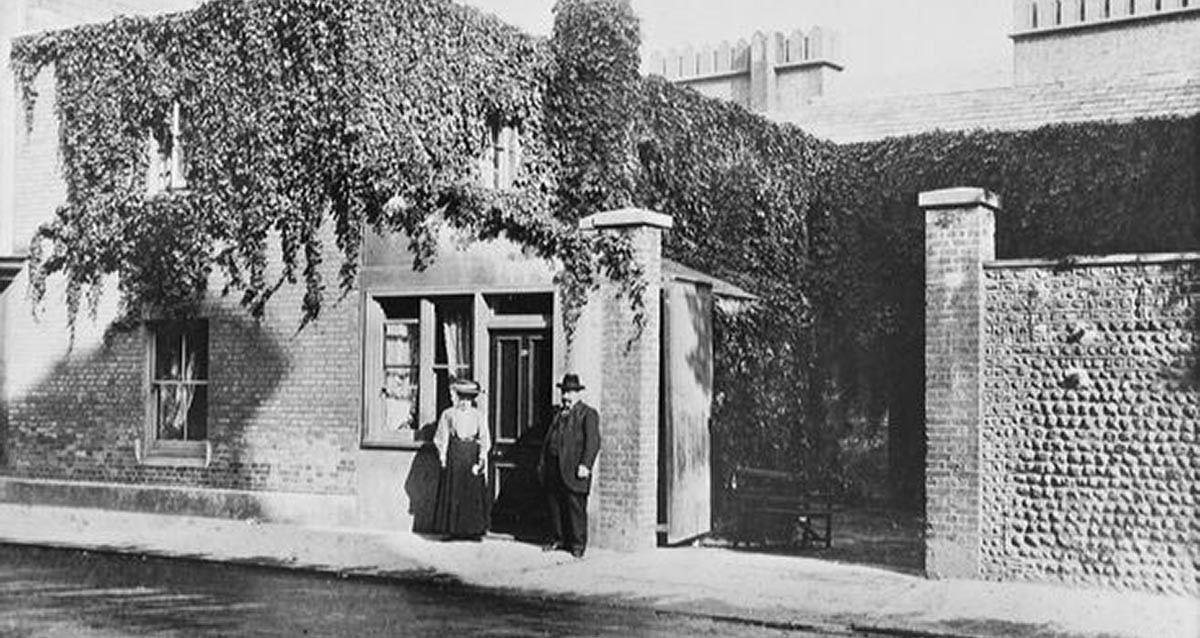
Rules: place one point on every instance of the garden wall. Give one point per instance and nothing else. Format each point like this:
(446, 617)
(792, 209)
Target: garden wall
(1063, 400)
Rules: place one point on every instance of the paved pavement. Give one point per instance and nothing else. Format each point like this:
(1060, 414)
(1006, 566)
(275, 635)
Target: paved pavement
(784, 591)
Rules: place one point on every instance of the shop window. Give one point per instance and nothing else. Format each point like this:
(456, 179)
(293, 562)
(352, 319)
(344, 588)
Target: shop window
(177, 405)
(415, 348)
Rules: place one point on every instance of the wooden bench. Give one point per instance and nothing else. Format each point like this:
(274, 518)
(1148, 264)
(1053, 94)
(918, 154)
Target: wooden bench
(770, 505)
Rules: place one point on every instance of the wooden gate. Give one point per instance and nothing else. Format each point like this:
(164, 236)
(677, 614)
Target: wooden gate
(685, 450)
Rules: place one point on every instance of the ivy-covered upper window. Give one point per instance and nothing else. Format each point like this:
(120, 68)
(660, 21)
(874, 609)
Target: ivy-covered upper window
(167, 157)
(502, 159)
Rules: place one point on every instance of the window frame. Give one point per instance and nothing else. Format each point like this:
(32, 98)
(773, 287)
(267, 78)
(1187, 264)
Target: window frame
(501, 160)
(375, 432)
(173, 452)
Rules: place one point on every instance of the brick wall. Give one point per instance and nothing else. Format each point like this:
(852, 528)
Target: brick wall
(283, 405)
(1090, 457)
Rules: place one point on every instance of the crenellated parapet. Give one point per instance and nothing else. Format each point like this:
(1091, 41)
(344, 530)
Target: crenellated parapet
(769, 72)
(1035, 15)
(815, 46)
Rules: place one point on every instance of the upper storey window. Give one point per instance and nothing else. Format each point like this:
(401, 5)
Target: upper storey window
(167, 169)
(502, 159)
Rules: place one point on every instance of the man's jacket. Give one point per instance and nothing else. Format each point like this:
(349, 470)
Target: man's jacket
(579, 443)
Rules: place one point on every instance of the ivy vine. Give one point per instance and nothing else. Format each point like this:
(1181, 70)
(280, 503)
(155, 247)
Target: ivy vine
(312, 122)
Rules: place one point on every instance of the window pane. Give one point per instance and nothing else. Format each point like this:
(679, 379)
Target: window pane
(454, 335)
(521, 304)
(197, 347)
(173, 403)
(400, 398)
(401, 344)
(168, 352)
(197, 418)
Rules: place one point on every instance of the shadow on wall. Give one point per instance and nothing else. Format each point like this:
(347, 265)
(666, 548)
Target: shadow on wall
(89, 416)
(422, 482)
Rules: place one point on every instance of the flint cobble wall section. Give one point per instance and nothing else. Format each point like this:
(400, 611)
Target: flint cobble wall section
(1089, 460)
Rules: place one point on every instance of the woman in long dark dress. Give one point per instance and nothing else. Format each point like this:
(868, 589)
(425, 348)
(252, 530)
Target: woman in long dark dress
(462, 442)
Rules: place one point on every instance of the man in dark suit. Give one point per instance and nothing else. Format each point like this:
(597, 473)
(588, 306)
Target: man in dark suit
(565, 467)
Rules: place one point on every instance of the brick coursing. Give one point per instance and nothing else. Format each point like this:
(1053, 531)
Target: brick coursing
(284, 404)
(957, 242)
(1090, 462)
(628, 496)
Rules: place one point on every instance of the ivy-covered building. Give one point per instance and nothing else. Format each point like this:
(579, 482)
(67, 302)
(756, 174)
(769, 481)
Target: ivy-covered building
(1092, 145)
(263, 238)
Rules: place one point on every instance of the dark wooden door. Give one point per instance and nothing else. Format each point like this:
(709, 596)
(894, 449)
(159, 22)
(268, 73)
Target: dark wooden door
(520, 409)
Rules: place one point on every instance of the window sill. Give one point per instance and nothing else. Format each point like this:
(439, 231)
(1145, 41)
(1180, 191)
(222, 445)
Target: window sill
(395, 443)
(174, 454)
(175, 191)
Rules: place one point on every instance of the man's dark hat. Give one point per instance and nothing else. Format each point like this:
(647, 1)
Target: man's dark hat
(570, 382)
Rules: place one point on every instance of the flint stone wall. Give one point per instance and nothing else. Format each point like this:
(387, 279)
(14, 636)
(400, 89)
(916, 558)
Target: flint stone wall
(1090, 465)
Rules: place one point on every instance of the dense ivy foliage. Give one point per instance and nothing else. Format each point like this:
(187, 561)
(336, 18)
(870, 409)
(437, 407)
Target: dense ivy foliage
(592, 92)
(826, 373)
(1071, 189)
(746, 196)
(308, 121)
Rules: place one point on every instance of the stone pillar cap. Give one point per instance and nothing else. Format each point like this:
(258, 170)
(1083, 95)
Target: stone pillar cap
(959, 197)
(626, 217)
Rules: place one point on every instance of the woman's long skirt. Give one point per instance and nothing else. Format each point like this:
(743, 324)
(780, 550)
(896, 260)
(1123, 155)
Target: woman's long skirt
(462, 497)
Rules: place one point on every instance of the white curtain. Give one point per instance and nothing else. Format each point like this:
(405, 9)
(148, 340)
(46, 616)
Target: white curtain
(456, 325)
(176, 393)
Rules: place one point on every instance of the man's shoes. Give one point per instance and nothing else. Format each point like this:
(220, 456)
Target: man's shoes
(552, 546)
(577, 552)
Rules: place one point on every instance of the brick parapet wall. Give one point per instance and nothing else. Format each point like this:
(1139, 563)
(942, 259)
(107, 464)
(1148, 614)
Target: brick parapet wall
(1150, 41)
(1090, 459)
(958, 239)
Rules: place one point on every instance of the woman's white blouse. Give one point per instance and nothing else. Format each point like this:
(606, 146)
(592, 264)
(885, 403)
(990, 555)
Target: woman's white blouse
(465, 423)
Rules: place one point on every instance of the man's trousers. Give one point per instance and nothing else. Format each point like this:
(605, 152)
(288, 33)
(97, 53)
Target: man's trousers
(568, 512)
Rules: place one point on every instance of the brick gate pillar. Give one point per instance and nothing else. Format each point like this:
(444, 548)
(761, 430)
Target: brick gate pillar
(625, 365)
(959, 237)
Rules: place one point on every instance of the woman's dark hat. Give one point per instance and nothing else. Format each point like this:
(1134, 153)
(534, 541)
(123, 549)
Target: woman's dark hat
(465, 387)
(570, 383)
